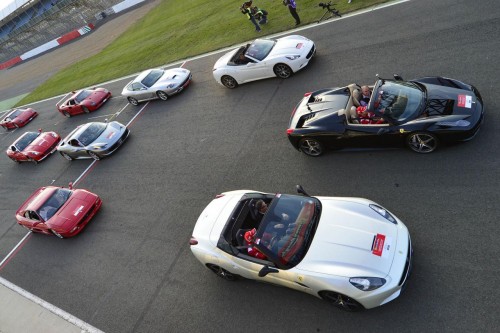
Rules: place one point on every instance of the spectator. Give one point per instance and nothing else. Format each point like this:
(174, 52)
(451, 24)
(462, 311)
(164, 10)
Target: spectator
(246, 9)
(292, 7)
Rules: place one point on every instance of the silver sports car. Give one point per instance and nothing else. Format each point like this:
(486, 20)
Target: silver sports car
(93, 140)
(157, 83)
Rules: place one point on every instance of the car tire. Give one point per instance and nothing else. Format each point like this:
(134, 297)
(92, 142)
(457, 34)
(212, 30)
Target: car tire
(55, 233)
(282, 71)
(133, 101)
(222, 273)
(422, 142)
(85, 109)
(311, 147)
(162, 95)
(94, 156)
(341, 301)
(66, 114)
(228, 82)
(66, 156)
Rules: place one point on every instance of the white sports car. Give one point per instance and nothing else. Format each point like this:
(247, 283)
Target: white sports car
(262, 59)
(349, 251)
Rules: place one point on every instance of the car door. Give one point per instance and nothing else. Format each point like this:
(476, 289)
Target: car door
(139, 91)
(254, 70)
(371, 135)
(32, 221)
(77, 149)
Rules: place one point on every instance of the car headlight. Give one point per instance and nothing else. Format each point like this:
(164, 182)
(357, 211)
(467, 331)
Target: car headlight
(458, 123)
(384, 213)
(293, 57)
(34, 153)
(367, 283)
(93, 103)
(170, 86)
(101, 146)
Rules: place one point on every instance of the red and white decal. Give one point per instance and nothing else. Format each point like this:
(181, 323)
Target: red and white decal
(299, 45)
(111, 135)
(464, 101)
(378, 245)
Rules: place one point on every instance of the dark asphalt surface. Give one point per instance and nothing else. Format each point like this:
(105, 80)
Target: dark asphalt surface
(131, 269)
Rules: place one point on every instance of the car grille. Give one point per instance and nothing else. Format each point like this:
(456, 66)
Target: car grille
(310, 54)
(408, 265)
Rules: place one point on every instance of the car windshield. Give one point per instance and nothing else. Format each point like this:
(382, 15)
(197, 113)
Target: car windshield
(287, 228)
(152, 77)
(53, 203)
(260, 49)
(398, 100)
(14, 114)
(26, 139)
(91, 133)
(82, 95)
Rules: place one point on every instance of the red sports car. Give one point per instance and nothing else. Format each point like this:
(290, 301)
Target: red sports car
(59, 211)
(18, 118)
(33, 146)
(84, 101)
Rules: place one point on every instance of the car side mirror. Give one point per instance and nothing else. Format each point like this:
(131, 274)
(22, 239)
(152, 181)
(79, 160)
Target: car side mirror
(397, 77)
(266, 270)
(301, 190)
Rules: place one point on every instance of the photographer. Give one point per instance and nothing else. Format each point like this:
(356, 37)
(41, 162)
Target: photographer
(254, 14)
(292, 7)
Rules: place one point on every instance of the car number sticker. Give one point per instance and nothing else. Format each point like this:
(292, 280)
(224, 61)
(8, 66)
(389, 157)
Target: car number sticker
(112, 134)
(387, 247)
(464, 101)
(378, 245)
(78, 211)
(299, 45)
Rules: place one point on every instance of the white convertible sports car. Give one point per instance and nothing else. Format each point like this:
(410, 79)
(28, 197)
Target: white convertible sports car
(262, 59)
(349, 251)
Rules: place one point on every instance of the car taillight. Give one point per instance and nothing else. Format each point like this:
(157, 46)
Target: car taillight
(219, 196)
(193, 241)
(289, 131)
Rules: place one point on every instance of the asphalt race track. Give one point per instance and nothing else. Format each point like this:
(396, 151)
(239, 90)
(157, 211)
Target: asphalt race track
(131, 269)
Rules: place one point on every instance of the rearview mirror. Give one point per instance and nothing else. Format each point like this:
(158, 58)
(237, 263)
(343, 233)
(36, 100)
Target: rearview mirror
(398, 78)
(301, 190)
(266, 270)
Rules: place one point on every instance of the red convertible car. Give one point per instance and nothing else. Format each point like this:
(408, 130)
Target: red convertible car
(33, 146)
(60, 211)
(18, 118)
(84, 101)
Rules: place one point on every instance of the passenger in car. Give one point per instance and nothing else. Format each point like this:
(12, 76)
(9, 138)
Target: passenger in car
(365, 96)
(250, 241)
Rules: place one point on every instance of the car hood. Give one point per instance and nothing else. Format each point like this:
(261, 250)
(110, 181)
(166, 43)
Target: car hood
(176, 75)
(111, 134)
(72, 212)
(291, 45)
(96, 96)
(459, 102)
(351, 240)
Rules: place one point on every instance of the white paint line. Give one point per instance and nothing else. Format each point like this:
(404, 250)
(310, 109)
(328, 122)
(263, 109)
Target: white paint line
(137, 114)
(229, 48)
(85, 327)
(14, 249)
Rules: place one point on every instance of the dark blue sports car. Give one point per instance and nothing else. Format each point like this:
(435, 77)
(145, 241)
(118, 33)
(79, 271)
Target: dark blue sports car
(420, 114)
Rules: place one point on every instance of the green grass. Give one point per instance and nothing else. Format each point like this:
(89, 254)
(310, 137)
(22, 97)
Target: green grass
(175, 30)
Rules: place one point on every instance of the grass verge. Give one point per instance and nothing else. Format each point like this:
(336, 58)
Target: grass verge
(175, 30)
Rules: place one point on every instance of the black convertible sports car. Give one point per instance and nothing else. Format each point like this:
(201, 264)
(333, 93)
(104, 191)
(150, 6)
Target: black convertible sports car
(420, 113)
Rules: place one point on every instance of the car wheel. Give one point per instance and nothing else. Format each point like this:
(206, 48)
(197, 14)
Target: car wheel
(422, 142)
(162, 95)
(133, 101)
(311, 147)
(282, 71)
(341, 301)
(66, 114)
(94, 156)
(229, 82)
(66, 156)
(56, 234)
(222, 273)
(15, 160)
(85, 109)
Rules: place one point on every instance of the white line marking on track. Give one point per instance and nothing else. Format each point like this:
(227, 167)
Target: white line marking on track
(14, 249)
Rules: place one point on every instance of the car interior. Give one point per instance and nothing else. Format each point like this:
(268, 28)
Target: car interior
(239, 58)
(350, 111)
